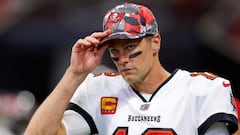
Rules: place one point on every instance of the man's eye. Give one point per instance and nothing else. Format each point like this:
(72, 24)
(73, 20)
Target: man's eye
(130, 47)
(114, 51)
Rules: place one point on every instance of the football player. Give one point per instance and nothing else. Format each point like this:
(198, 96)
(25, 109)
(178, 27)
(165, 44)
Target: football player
(143, 97)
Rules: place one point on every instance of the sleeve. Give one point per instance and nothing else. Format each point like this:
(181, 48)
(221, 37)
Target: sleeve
(217, 129)
(217, 106)
(238, 107)
(76, 119)
(72, 121)
(238, 110)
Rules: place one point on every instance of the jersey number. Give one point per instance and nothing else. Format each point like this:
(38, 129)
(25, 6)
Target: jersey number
(149, 131)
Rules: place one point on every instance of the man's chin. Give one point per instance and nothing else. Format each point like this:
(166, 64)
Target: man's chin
(130, 78)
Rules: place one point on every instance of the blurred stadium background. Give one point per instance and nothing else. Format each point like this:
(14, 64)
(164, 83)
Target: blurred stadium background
(36, 37)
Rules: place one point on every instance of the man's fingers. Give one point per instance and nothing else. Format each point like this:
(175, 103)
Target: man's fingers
(96, 37)
(80, 44)
(100, 35)
(92, 40)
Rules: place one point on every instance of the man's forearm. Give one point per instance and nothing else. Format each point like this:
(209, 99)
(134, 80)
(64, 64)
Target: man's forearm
(47, 118)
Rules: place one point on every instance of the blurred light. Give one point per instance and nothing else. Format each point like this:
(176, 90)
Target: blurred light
(16, 105)
(5, 131)
(25, 101)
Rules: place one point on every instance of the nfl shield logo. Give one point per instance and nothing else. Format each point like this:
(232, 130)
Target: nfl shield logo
(144, 107)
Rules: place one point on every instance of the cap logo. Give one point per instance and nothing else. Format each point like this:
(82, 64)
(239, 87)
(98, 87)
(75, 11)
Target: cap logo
(115, 17)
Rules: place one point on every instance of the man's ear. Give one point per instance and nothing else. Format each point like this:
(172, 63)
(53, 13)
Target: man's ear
(156, 42)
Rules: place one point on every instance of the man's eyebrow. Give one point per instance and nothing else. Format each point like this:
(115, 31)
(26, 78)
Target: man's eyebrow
(127, 42)
(135, 41)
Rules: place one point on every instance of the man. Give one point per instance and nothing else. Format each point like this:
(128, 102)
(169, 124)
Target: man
(143, 98)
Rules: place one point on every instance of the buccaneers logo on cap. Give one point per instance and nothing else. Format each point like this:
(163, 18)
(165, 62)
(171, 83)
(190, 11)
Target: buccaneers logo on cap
(114, 19)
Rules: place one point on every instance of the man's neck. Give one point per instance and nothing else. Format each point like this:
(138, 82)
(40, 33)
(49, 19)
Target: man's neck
(152, 81)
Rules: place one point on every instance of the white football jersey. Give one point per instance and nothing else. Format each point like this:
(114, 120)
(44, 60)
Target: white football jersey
(185, 104)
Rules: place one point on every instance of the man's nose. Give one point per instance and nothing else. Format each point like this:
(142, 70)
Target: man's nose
(123, 58)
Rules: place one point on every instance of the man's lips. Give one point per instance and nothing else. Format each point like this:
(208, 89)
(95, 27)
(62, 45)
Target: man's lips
(126, 70)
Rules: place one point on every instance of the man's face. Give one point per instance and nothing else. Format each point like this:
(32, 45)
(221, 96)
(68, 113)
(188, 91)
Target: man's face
(133, 58)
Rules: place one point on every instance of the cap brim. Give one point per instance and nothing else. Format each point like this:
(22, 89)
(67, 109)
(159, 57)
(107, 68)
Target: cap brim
(122, 35)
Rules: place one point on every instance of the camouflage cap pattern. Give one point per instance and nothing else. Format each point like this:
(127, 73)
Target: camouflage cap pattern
(129, 21)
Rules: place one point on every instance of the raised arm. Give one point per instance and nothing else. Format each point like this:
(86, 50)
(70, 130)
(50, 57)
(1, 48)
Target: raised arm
(86, 55)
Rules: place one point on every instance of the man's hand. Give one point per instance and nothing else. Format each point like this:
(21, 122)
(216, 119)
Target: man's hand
(85, 53)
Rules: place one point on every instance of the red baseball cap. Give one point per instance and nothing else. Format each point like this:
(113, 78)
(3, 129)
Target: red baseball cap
(129, 21)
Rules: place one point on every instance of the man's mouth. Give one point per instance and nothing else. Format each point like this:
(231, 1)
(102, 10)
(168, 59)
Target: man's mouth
(126, 70)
